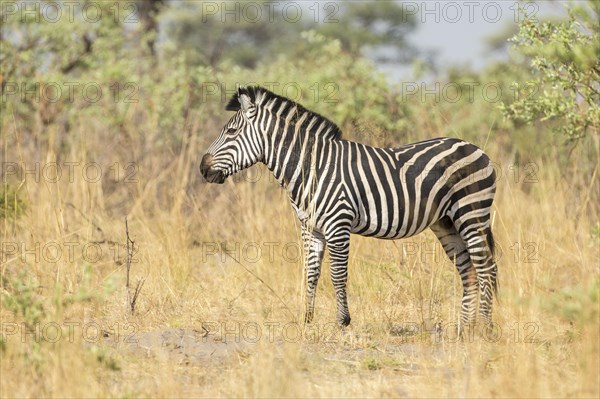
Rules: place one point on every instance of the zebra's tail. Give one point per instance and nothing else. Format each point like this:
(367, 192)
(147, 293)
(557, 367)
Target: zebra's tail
(492, 247)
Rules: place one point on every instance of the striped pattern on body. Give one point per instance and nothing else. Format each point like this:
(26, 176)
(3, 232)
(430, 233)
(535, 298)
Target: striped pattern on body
(339, 187)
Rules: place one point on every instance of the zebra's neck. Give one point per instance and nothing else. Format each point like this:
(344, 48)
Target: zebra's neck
(292, 145)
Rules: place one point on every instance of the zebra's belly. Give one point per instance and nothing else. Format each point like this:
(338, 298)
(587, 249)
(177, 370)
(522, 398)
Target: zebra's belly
(396, 232)
(409, 211)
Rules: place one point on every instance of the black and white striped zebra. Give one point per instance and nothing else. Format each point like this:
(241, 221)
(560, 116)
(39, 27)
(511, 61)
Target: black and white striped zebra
(339, 187)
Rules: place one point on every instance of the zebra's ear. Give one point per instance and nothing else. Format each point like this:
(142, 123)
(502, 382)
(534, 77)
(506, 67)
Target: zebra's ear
(246, 104)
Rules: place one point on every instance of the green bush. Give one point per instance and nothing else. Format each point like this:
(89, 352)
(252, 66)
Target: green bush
(11, 203)
(564, 86)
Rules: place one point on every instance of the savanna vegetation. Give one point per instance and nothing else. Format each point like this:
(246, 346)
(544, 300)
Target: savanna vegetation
(124, 274)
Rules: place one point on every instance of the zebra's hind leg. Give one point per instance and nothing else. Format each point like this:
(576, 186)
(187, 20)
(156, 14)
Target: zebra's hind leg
(478, 237)
(314, 247)
(456, 249)
(487, 273)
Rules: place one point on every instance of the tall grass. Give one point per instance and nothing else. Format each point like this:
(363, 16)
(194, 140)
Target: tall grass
(197, 247)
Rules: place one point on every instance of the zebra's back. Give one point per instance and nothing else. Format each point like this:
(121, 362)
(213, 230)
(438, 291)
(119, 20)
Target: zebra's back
(398, 192)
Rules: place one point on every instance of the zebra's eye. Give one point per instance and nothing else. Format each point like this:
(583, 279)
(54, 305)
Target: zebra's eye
(231, 131)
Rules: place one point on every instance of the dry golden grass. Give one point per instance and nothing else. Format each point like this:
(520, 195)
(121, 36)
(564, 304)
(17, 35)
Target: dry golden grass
(548, 340)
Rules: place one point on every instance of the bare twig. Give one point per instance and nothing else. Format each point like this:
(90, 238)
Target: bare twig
(136, 292)
(130, 245)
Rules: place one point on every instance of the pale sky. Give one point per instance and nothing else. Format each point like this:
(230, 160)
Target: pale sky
(456, 30)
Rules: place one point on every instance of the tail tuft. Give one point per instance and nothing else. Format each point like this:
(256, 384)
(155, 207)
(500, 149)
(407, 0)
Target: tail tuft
(492, 246)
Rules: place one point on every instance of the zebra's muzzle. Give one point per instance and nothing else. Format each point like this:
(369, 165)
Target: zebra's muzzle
(211, 175)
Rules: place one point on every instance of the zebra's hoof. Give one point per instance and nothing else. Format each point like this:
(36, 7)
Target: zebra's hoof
(308, 317)
(344, 322)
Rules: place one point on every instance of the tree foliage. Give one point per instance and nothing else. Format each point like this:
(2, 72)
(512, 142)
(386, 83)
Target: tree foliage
(247, 32)
(381, 27)
(564, 86)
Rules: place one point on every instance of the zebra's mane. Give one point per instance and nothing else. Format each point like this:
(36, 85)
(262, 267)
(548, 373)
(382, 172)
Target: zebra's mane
(261, 97)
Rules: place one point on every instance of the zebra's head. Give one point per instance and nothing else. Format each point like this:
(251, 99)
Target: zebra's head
(239, 145)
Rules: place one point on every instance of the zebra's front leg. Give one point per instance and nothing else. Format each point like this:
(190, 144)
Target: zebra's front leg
(314, 247)
(339, 247)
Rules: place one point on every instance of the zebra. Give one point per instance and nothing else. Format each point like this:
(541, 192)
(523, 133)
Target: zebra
(339, 187)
